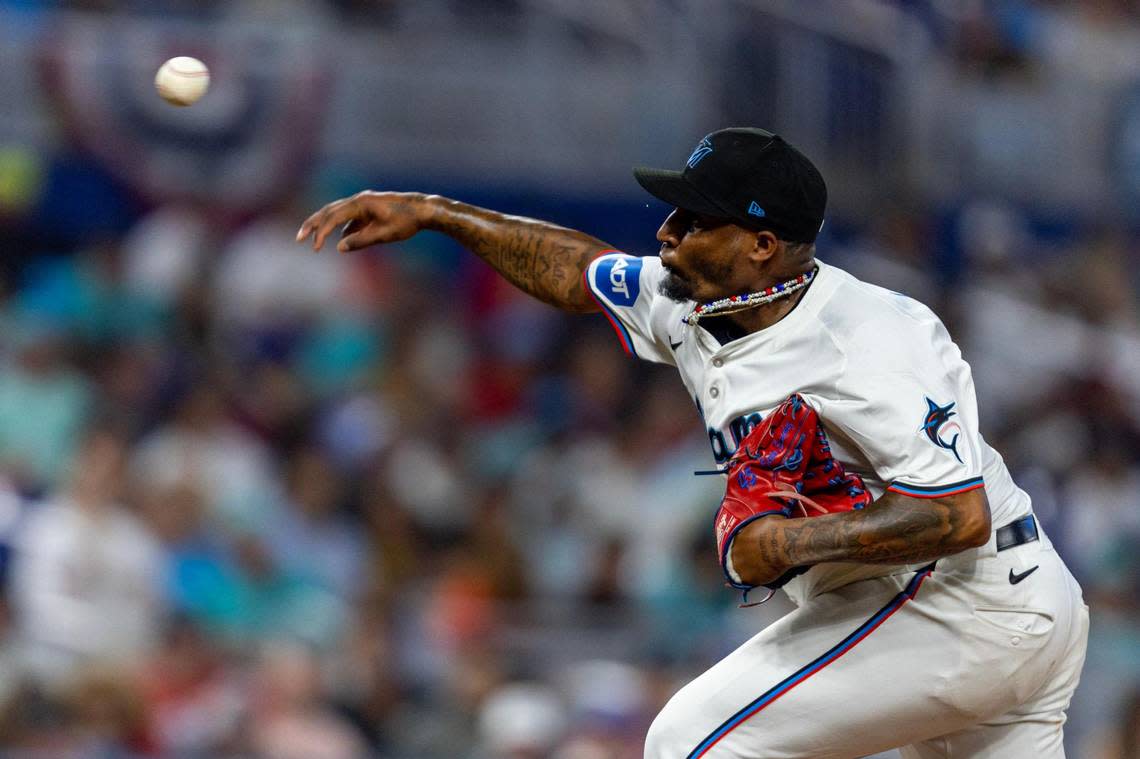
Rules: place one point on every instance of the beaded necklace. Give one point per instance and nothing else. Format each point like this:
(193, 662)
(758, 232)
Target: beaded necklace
(741, 302)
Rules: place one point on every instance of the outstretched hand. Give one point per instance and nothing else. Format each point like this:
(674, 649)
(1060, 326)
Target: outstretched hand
(541, 259)
(367, 218)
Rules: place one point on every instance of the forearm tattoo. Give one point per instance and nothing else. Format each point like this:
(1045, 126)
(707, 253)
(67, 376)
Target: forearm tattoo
(543, 260)
(895, 529)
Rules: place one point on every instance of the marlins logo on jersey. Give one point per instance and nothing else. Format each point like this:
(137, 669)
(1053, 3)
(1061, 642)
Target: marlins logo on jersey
(938, 427)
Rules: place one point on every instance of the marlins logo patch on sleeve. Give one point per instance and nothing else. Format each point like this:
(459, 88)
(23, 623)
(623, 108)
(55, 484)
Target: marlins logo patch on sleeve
(939, 428)
(619, 279)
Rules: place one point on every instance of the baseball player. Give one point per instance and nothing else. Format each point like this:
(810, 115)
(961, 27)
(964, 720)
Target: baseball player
(932, 611)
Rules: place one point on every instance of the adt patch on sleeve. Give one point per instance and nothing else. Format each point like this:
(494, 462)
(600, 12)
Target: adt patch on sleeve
(618, 278)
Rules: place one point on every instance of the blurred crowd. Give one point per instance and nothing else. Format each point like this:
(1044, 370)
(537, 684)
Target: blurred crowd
(262, 502)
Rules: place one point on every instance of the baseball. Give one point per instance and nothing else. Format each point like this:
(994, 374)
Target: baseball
(182, 80)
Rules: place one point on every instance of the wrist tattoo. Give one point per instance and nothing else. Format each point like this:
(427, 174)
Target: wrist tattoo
(896, 529)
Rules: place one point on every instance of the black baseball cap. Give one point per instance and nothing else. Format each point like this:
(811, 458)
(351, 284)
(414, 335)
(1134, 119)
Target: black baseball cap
(750, 176)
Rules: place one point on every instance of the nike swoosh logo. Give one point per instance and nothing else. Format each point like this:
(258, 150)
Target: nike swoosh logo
(675, 345)
(1014, 579)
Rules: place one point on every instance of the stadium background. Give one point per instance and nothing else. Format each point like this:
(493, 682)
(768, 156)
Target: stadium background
(256, 502)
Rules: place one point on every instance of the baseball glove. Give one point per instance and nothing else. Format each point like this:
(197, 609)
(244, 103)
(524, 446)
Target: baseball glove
(783, 467)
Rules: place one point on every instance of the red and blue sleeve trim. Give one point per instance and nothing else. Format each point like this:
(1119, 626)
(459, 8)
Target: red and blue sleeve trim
(937, 491)
(804, 673)
(615, 322)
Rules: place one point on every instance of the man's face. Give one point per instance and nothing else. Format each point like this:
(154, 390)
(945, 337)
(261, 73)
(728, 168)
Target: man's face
(704, 257)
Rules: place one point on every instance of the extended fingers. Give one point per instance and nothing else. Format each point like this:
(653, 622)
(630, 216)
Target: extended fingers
(321, 224)
(310, 223)
(331, 220)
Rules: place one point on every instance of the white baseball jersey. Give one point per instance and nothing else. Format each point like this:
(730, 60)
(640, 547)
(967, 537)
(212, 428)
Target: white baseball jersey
(965, 659)
(890, 386)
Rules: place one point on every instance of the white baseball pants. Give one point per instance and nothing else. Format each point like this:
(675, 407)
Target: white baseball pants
(954, 662)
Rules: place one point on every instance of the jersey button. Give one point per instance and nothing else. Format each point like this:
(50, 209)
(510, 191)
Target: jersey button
(714, 391)
(718, 362)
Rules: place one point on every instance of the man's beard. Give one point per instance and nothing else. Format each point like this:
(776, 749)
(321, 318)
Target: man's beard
(681, 289)
(675, 288)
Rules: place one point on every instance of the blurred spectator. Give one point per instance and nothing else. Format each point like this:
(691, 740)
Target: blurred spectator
(131, 378)
(289, 719)
(258, 598)
(197, 571)
(521, 721)
(203, 448)
(44, 402)
(1105, 532)
(1129, 731)
(11, 660)
(86, 574)
(109, 716)
(609, 701)
(195, 701)
(1122, 740)
(494, 542)
(364, 675)
(461, 610)
(312, 536)
(12, 511)
(355, 429)
(426, 480)
(397, 551)
(36, 723)
(265, 279)
(605, 587)
(164, 252)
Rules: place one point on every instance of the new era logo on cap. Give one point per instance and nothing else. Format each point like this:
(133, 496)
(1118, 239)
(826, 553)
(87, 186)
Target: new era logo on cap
(755, 210)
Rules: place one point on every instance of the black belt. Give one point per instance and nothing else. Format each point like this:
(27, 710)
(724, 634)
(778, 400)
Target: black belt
(1017, 533)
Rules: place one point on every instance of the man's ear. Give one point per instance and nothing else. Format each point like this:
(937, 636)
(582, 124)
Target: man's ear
(766, 246)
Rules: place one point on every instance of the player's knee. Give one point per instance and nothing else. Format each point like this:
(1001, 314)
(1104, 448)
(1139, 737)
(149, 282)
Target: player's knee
(678, 730)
